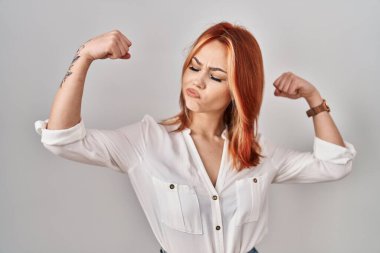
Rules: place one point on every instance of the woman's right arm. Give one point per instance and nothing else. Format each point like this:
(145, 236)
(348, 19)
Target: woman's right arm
(66, 109)
(121, 149)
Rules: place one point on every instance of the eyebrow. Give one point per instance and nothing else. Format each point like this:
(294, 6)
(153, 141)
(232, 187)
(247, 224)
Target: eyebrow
(211, 68)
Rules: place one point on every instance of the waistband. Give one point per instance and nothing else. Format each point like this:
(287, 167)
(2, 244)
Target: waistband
(253, 250)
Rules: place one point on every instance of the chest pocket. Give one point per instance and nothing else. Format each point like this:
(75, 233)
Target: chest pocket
(249, 196)
(178, 206)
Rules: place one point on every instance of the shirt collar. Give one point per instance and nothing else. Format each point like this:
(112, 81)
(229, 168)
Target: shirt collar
(224, 133)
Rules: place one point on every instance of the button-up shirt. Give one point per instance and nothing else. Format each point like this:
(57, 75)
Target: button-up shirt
(185, 211)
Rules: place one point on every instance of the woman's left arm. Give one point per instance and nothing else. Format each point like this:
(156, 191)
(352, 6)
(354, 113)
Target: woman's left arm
(292, 86)
(332, 156)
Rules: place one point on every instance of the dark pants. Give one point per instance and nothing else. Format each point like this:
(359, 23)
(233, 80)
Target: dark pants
(253, 250)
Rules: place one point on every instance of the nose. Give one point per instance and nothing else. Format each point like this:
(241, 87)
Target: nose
(199, 81)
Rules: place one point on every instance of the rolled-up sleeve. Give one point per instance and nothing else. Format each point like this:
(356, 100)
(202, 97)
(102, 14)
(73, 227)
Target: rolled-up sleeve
(121, 149)
(327, 162)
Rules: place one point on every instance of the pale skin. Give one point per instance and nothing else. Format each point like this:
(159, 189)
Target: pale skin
(208, 110)
(207, 124)
(292, 86)
(66, 109)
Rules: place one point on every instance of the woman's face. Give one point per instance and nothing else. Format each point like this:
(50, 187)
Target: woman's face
(207, 75)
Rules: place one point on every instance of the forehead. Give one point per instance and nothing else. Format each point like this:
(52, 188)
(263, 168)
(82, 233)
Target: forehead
(213, 54)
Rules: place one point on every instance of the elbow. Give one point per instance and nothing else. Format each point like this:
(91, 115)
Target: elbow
(346, 171)
(56, 150)
(340, 171)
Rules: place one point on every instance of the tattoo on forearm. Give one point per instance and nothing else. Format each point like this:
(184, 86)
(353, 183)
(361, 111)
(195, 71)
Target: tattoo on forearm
(76, 57)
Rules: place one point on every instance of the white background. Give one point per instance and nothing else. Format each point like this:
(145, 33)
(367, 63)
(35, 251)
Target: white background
(48, 204)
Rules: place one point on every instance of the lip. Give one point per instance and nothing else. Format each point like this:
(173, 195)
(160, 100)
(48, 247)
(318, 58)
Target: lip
(192, 93)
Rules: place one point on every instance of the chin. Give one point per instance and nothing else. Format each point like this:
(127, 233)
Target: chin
(193, 105)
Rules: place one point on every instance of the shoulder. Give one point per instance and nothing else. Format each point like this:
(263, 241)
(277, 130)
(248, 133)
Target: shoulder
(260, 138)
(265, 143)
(153, 129)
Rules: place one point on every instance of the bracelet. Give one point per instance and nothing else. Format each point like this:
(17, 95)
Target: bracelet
(317, 109)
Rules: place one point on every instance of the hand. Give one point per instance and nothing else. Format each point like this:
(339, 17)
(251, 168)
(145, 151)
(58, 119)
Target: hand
(291, 86)
(112, 45)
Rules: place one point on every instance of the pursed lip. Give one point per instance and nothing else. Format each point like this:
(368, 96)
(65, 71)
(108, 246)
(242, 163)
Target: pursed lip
(193, 91)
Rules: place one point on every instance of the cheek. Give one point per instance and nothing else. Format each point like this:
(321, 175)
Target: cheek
(186, 75)
(220, 94)
(224, 92)
(185, 80)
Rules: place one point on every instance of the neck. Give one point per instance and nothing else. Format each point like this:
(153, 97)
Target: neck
(207, 125)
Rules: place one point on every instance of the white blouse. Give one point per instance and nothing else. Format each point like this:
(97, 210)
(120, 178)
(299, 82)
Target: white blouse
(185, 211)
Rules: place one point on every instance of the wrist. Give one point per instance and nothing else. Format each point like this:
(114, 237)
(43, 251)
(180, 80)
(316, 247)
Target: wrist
(314, 100)
(87, 58)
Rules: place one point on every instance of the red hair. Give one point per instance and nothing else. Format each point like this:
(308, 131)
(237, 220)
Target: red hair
(246, 82)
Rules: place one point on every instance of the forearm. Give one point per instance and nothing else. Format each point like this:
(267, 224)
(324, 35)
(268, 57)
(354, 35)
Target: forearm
(66, 108)
(324, 126)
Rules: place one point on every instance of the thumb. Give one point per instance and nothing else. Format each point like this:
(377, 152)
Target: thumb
(126, 56)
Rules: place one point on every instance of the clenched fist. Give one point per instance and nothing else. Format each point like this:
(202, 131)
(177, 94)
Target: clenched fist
(113, 45)
(292, 86)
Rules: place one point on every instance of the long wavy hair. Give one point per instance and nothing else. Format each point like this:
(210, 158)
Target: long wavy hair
(246, 82)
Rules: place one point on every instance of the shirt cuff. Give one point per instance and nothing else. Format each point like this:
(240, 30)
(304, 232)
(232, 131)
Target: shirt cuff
(59, 136)
(332, 152)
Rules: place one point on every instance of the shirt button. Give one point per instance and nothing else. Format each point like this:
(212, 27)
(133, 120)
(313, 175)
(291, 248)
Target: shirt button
(217, 227)
(255, 180)
(171, 186)
(214, 197)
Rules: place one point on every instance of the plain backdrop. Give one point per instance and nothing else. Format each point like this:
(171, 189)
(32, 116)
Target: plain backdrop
(49, 204)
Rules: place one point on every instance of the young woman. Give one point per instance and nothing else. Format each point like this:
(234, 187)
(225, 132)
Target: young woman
(202, 177)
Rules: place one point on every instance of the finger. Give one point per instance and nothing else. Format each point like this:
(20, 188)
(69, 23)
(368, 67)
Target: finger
(277, 91)
(294, 96)
(124, 45)
(126, 56)
(287, 85)
(288, 81)
(278, 80)
(293, 90)
(124, 42)
(280, 94)
(124, 38)
(123, 51)
(115, 52)
(281, 83)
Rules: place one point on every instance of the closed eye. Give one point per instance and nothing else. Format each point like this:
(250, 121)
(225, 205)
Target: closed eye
(196, 70)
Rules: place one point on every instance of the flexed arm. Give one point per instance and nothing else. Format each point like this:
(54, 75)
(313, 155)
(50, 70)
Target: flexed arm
(292, 86)
(66, 108)
(64, 132)
(332, 156)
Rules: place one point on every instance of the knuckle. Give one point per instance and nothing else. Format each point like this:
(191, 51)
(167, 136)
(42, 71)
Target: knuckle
(114, 36)
(110, 47)
(113, 42)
